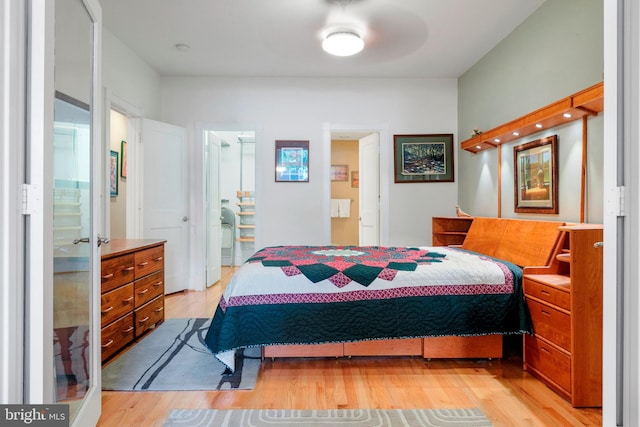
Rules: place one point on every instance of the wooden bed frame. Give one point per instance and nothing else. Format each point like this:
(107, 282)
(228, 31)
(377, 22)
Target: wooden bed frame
(522, 242)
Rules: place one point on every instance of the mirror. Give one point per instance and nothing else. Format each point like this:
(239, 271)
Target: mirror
(72, 201)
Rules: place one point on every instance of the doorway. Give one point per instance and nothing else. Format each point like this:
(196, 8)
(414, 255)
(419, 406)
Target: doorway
(229, 192)
(355, 188)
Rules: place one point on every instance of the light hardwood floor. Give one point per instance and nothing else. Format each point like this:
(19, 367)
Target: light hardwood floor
(507, 395)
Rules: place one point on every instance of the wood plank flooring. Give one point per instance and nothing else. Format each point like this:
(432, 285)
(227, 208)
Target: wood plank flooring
(507, 395)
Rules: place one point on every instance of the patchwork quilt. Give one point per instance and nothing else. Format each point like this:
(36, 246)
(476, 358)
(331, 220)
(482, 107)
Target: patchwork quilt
(323, 294)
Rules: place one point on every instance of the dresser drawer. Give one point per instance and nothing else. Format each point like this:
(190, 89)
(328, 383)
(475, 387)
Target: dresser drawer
(545, 359)
(116, 335)
(116, 303)
(149, 260)
(149, 314)
(116, 271)
(551, 324)
(547, 293)
(148, 288)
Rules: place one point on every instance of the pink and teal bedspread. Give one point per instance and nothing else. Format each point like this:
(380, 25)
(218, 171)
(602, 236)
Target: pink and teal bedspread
(323, 294)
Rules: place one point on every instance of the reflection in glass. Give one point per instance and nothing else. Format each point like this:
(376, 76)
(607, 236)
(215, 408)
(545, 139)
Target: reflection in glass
(72, 203)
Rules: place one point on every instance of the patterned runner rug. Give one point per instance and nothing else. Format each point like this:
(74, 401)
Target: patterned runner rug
(333, 418)
(174, 357)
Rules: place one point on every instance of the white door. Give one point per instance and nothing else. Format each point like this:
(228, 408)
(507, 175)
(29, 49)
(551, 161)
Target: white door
(213, 209)
(165, 200)
(369, 193)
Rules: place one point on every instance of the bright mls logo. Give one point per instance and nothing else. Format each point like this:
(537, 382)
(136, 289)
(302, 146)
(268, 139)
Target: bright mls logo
(34, 415)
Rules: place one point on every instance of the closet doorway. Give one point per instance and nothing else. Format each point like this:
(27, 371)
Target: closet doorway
(230, 197)
(355, 188)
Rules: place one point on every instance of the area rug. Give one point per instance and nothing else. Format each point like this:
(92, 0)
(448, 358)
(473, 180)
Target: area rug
(174, 357)
(333, 417)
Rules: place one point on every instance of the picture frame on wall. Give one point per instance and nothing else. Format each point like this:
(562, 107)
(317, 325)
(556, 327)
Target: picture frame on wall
(123, 159)
(339, 173)
(423, 158)
(292, 161)
(113, 173)
(536, 176)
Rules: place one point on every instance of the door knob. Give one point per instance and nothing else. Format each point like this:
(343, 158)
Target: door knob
(81, 240)
(185, 219)
(102, 240)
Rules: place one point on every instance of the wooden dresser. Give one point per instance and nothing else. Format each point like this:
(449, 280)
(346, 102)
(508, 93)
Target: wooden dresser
(132, 292)
(565, 301)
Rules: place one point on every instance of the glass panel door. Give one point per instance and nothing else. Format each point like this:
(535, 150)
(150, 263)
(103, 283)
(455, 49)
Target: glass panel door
(76, 352)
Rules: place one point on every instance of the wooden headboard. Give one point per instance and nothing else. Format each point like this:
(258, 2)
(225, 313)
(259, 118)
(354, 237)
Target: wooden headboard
(520, 241)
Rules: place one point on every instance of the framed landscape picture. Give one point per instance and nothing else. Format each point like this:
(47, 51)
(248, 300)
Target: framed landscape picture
(423, 158)
(536, 176)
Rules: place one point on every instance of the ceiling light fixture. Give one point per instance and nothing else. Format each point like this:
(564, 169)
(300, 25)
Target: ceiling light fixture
(343, 43)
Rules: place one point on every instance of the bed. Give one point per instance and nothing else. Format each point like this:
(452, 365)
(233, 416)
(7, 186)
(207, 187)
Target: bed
(351, 301)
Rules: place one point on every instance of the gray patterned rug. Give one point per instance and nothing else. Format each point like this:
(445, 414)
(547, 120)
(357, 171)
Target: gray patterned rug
(332, 417)
(174, 357)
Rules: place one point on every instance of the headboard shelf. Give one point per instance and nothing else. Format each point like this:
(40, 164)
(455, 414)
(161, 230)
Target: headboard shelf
(522, 242)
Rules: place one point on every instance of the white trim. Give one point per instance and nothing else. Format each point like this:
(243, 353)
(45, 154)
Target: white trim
(133, 113)
(39, 381)
(12, 131)
(384, 152)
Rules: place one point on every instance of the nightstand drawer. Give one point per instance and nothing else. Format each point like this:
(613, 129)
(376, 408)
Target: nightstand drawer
(149, 260)
(551, 324)
(149, 314)
(116, 303)
(148, 288)
(545, 359)
(116, 335)
(116, 271)
(547, 293)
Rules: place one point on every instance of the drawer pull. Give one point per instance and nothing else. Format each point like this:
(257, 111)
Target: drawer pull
(107, 276)
(159, 309)
(106, 310)
(545, 292)
(546, 350)
(129, 329)
(143, 320)
(546, 313)
(158, 259)
(128, 299)
(107, 344)
(144, 291)
(142, 264)
(128, 268)
(157, 284)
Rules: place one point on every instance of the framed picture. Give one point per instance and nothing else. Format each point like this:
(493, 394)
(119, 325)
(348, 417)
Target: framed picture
(113, 173)
(355, 179)
(292, 161)
(423, 158)
(536, 176)
(339, 173)
(123, 161)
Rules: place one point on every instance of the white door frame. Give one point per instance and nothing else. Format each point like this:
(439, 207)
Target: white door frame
(385, 152)
(12, 145)
(133, 113)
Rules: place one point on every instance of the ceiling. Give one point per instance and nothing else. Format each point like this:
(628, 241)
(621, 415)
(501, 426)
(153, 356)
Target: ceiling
(268, 38)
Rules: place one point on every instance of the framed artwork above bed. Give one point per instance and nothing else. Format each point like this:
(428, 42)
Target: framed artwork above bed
(292, 161)
(536, 176)
(423, 158)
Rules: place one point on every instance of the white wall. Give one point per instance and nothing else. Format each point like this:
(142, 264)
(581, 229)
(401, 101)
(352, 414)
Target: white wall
(290, 108)
(128, 77)
(556, 52)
